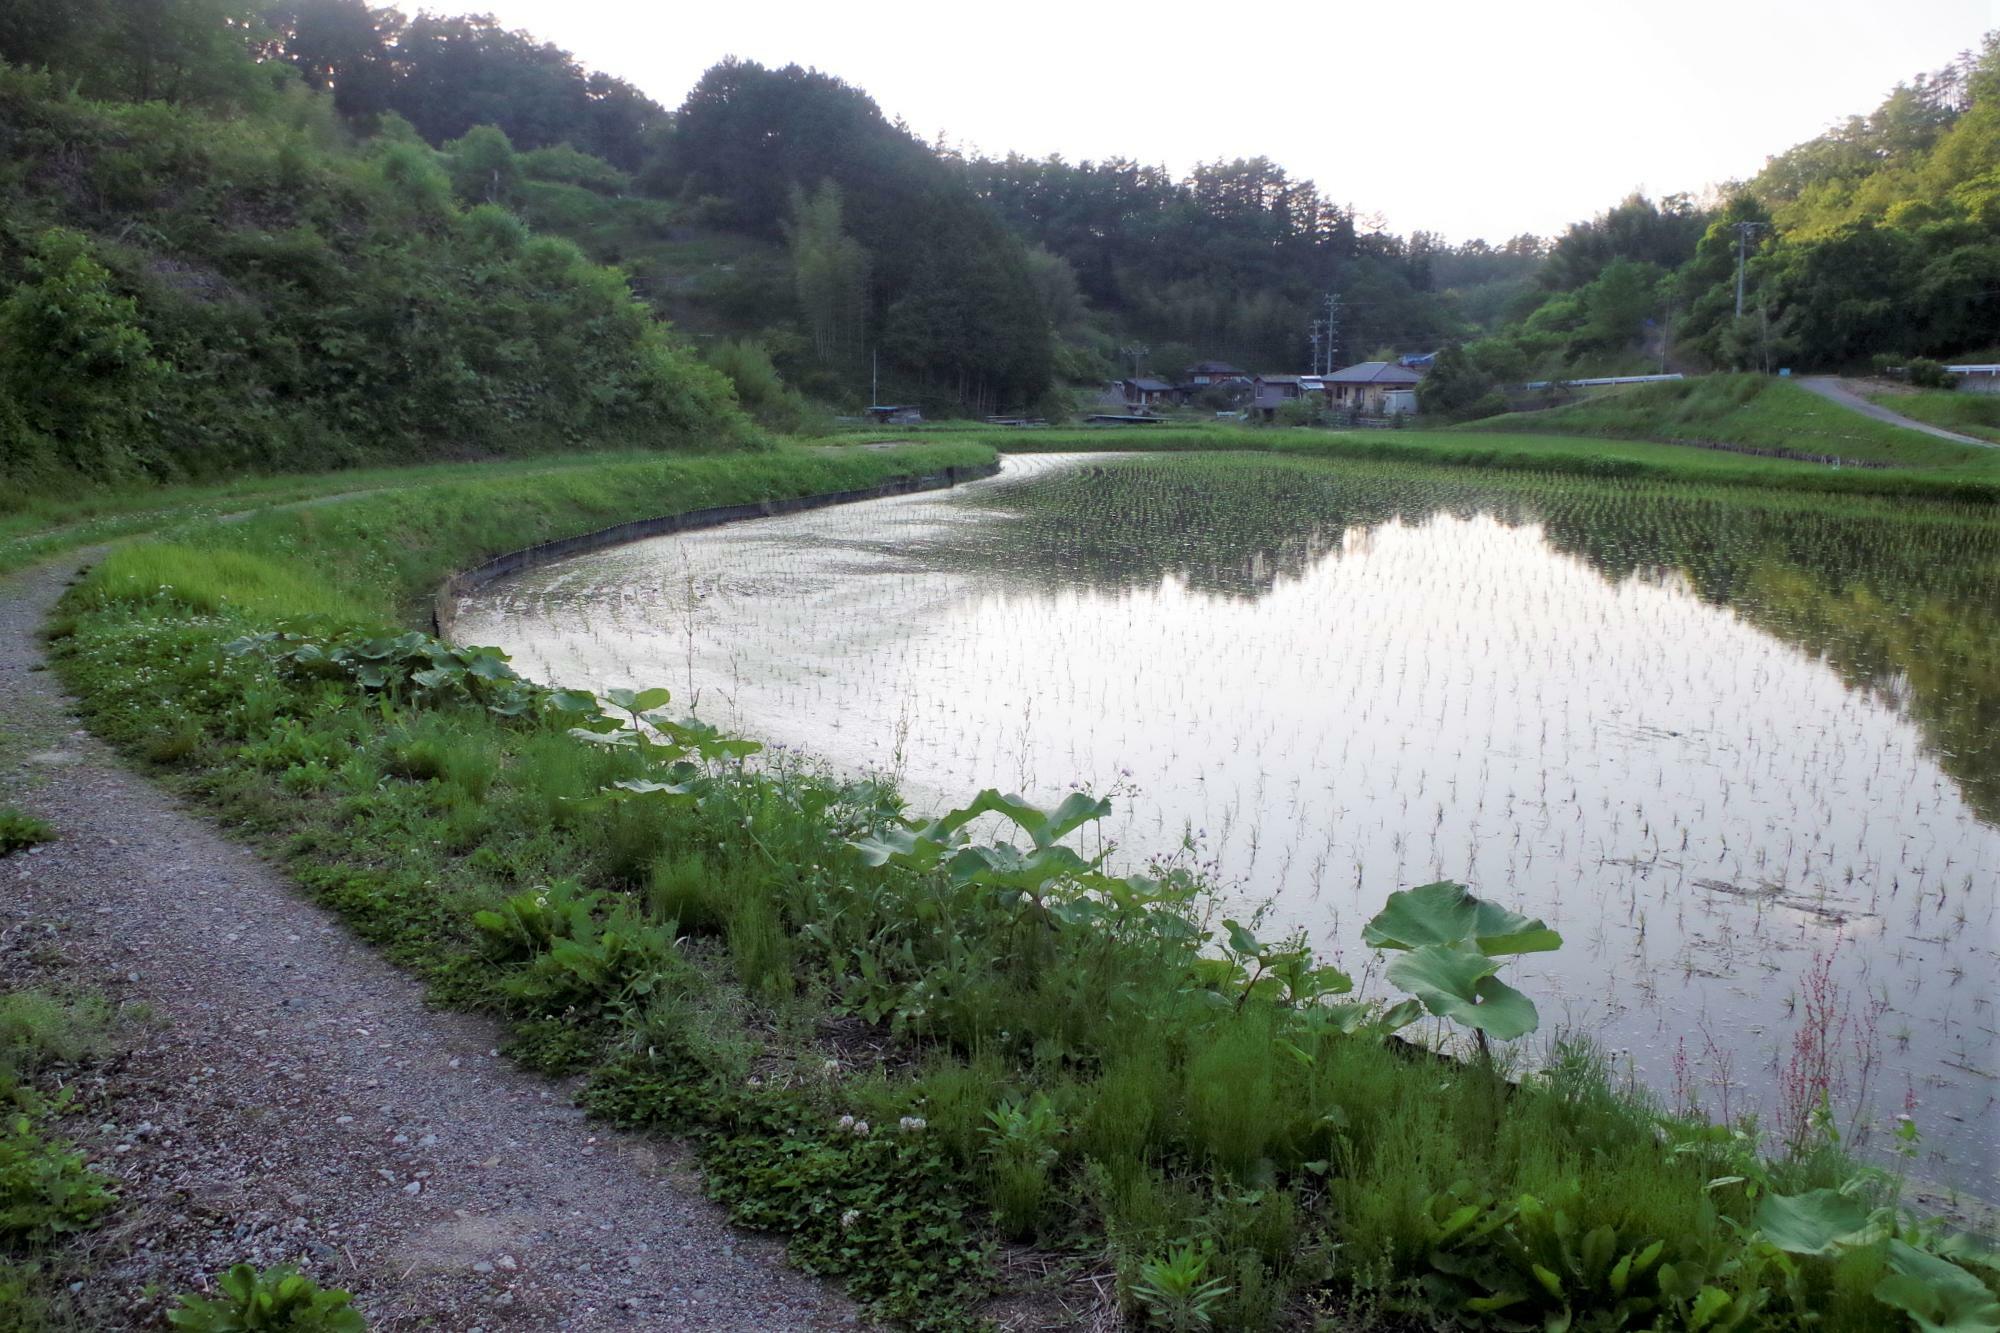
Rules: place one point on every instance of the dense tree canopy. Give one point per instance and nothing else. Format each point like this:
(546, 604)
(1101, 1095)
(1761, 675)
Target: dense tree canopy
(1236, 260)
(951, 303)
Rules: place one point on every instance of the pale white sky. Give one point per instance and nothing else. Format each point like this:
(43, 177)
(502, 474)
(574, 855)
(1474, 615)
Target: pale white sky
(1464, 117)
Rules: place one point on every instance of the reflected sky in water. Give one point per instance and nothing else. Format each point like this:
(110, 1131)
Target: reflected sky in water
(1701, 768)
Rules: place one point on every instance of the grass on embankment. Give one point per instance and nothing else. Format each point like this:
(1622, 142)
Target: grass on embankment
(1967, 413)
(1976, 481)
(393, 545)
(1748, 412)
(723, 966)
(35, 525)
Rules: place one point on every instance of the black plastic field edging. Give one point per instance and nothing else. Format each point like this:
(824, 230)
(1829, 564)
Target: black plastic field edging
(444, 603)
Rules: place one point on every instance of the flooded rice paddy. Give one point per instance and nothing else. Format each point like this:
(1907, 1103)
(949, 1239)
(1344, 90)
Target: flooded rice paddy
(1742, 750)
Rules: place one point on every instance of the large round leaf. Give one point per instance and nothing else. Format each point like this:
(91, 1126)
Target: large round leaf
(1459, 984)
(1818, 1222)
(1447, 913)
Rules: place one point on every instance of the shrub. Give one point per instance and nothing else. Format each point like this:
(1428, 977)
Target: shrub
(1928, 374)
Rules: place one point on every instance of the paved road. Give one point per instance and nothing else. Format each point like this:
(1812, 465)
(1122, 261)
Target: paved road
(1835, 390)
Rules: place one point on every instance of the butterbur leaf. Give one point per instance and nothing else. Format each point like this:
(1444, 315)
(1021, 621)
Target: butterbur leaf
(1937, 1295)
(639, 701)
(899, 844)
(1820, 1222)
(1459, 984)
(1002, 866)
(489, 664)
(1448, 913)
(1330, 981)
(1043, 827)
(573, 701)
(1241, 940)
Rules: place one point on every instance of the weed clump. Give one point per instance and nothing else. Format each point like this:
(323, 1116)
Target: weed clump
(19, 831)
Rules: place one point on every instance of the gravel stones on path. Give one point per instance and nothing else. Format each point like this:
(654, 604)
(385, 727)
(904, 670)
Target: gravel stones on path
(290, 1097)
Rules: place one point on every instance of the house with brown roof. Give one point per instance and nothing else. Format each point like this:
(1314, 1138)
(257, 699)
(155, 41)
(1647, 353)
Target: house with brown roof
(1145, 391)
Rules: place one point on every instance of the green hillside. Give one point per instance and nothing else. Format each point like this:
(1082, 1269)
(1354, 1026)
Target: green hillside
(196, 291)
(1749, 412)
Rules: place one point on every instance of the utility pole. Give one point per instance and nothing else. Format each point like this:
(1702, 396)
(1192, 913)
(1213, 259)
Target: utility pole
(1743, 232)
(1317, 337)
(1332, 343)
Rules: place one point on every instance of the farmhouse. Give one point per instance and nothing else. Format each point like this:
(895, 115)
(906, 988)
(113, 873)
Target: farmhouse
(1372, 388)
(1204, 373)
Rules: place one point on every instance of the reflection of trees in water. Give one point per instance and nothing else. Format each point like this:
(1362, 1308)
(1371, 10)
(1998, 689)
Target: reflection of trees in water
(1226, 527)
(1901, 598)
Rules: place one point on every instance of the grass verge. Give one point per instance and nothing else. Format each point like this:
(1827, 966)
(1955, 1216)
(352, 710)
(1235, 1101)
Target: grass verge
(1976, 414)
(900, 1060)
(1534, 444)
(1751, 412)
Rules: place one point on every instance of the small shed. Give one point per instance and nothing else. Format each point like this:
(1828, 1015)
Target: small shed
(1274, 391)
(1144, 391)
(896, 414)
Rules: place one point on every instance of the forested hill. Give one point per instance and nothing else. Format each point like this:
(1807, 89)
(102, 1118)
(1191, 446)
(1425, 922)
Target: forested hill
(1877, 241)
(286, 234)
(1238, 261)
(203, 270)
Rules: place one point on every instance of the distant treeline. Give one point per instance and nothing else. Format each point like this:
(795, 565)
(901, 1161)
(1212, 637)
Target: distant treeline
(326, 213)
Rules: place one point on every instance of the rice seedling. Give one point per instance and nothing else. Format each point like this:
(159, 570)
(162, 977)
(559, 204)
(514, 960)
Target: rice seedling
(1696, 727)
(1691, 732)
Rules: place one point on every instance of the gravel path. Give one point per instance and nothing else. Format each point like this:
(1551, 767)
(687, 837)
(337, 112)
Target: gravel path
(292, 1098)
(1835, 390)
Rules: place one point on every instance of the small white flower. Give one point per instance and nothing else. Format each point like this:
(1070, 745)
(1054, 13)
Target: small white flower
(911, 1124)
(755, 1082)
(861, 1129)
(832, 1066)
(849, 1218)
(847, 1122)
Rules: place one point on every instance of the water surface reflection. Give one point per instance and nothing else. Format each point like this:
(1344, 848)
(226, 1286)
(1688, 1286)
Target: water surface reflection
(1710, 740)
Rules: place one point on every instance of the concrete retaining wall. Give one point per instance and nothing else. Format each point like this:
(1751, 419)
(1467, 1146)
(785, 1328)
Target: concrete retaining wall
(444, 604)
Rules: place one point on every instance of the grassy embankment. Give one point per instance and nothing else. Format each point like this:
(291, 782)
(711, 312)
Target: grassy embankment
(1751, 412)
(1976, 414)
(1043, 1053)
(1615, 436)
